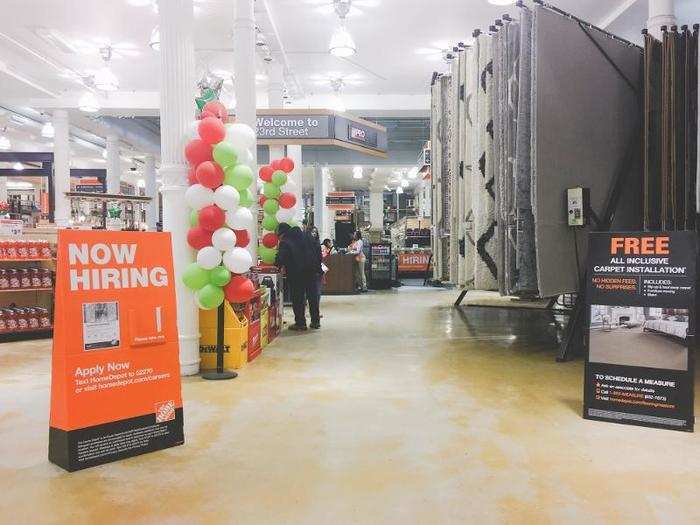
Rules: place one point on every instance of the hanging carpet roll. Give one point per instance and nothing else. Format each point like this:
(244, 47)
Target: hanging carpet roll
(652, 133)
(436, 163)
(454, 155)
(586, 126)
(485, 268)
(679, 138)
(691, 122)
(471, 163)
(445, 132)
(463, 178)
(526, 259)
(498, 112)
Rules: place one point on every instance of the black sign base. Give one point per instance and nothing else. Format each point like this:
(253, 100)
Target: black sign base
(87, 447)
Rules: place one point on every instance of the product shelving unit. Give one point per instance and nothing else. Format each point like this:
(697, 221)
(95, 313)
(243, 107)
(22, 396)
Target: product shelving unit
(41, 296)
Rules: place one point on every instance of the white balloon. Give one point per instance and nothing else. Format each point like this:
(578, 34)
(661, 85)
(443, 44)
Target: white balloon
(193, 130)
(209, 257)
(238, 260)
(227, 197)
(198, 196)
(289, 187)
(241, 219)
(224, 239)
(286, 214)
(240, 135)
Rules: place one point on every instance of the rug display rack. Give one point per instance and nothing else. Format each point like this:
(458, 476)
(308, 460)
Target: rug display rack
(539, 103)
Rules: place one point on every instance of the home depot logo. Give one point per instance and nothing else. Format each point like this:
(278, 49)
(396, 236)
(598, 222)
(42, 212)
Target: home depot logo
(165, 411)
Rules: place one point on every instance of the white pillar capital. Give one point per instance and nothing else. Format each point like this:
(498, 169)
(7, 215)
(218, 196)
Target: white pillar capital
(661, 13)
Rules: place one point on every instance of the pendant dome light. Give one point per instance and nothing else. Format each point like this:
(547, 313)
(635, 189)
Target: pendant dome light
(342, 44)
(47, 130)
(88, 103)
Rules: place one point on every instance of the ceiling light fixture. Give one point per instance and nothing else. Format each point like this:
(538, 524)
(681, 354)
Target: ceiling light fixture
(17, 166)
(5, 143)
(89, 103)
(47, 131)
(154, 41)
(501, 2)
(357, 172)
(105, 80)
(413, 172)
(342, 44)
(337, 84)
(404, 183)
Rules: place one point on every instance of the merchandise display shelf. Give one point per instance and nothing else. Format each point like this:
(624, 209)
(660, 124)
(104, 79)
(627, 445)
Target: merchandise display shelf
(20, 290)
(28, 260)
(26, 335)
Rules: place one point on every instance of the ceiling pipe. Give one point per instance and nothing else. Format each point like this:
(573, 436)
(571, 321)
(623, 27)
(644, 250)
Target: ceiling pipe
(129, 130)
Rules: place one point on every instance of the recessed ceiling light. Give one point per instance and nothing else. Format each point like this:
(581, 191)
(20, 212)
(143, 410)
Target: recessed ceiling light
(105, 80)
(47, 131)
(501, 2)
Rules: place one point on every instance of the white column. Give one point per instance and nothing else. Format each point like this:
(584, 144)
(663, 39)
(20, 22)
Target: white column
(114, 167)
(376, 210)
(176, 112)
(294, 152)
(3, 189)
(275, 99)
(61, 168)
(244, 84)
(320, 210)
(661, 13)
(149, 176)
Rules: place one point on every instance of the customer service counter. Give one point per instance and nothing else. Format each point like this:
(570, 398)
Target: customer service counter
(340, 277)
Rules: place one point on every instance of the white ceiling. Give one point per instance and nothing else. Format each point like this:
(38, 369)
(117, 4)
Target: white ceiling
(391, 70)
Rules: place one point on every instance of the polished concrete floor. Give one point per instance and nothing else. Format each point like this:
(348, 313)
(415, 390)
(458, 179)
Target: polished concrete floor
(401, 410)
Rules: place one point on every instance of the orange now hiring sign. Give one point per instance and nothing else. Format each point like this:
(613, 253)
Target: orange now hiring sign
(115, 379)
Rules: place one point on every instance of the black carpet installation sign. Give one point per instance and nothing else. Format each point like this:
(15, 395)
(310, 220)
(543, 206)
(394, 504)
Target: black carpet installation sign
(641, 298)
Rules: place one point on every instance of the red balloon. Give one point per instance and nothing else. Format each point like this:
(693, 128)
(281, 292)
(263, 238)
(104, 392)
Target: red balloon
(210, 174)
(240, 289)
(198, 238)
(198, 151)
(211, 217)
(212, 130)
(261, 200)
(287, 200)
(216, 109)
(270, 240)
(275, 165)
(286, 164)
(265, 173)
(242, 238)
(192, 177)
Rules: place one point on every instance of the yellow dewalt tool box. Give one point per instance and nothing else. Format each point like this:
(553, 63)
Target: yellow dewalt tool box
(235, 339)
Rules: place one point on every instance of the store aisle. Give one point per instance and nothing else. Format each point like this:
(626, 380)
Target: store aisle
(400, 410)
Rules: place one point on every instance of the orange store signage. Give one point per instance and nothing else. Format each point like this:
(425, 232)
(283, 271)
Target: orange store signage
(413, 262)
(115, 378)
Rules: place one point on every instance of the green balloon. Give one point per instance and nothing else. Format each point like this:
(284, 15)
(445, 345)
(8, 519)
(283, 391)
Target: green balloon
(247, 199)
(210, 297)
(271, 191)
(194, 218)
(225, 154)
(267, 255)
(270, 223)
(271, 206)
(279, 178)
(219, 276)
(239, 176)
(195, 277)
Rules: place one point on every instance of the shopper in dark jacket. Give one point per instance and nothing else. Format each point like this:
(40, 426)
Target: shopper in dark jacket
(297, 255)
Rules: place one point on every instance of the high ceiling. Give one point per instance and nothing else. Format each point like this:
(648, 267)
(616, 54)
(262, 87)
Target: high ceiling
(51, 47)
